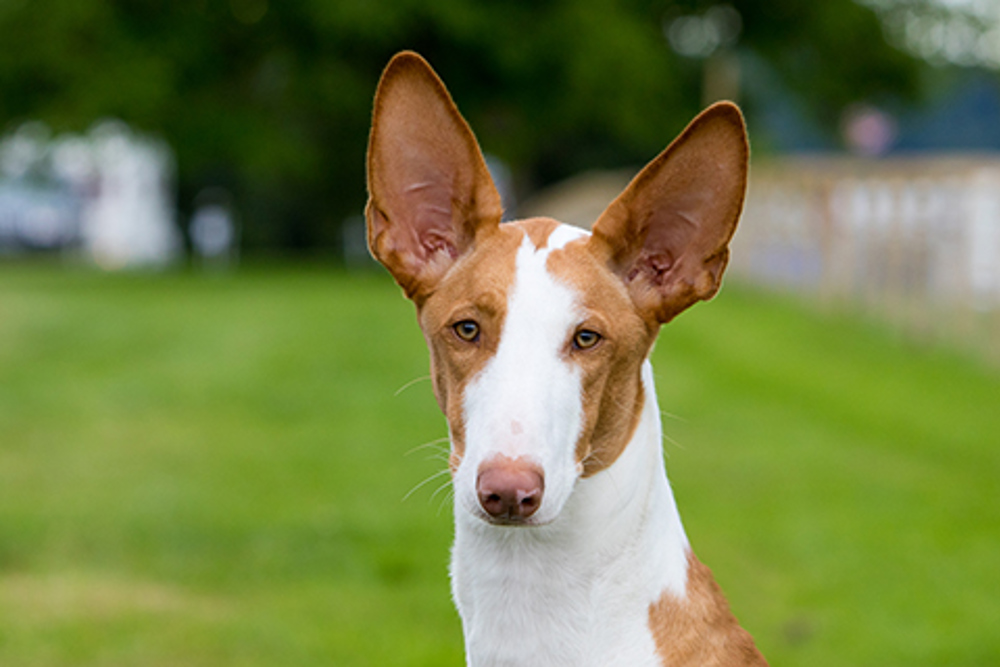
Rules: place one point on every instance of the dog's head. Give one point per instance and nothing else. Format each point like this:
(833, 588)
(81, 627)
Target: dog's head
(537, 331)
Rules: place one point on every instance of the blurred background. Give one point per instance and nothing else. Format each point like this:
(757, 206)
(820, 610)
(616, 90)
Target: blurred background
(202, 426)
(151, 134)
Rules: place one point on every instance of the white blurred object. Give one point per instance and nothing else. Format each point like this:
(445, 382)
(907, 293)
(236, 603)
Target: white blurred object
(984, 239)
(213, 229)
(109, 192)
(130, 219)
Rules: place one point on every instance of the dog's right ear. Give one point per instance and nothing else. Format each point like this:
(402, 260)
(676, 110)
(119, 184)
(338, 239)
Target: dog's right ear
(429, 191)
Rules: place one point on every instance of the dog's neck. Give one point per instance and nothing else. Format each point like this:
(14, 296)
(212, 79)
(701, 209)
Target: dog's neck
(576, 591)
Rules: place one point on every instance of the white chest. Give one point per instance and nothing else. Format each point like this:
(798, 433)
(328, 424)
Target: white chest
(528, 606)
(576, 592)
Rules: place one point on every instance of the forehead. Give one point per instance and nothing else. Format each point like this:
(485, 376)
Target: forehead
(482, 278)
(487, 276)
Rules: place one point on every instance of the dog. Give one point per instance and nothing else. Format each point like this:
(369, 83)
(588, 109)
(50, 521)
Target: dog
(569, 549)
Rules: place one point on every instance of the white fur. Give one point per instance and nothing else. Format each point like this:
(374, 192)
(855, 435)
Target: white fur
(563, 234)
(526, 402)
(576, 590)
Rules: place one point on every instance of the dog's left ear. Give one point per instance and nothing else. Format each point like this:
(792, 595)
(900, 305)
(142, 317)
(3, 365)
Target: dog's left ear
(667, 234)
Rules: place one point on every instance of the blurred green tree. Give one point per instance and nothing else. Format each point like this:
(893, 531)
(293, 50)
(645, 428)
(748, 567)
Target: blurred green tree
(272, 99)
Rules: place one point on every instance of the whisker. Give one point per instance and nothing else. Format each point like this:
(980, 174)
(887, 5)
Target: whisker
(440, 457)
(613, 477)
(424, 483)
(411, 383)
(598, 460)
(670, 415)
(440, 489)
(436, 443)
(448, 497)
(668, 439)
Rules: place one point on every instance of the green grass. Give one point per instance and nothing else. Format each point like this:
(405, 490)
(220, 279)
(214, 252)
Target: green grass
(212, 470)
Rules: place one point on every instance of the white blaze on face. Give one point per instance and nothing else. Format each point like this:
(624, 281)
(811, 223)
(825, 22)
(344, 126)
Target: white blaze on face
(526, 402)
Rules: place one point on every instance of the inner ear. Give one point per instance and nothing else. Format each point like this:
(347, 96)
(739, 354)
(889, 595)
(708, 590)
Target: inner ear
(667, 234)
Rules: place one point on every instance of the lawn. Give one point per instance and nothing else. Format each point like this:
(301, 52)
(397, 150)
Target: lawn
(217, 470)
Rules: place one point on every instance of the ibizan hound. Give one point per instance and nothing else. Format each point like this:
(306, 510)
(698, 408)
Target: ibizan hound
(568, 546)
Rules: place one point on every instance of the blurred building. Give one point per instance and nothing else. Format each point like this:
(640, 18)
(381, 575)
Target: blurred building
(107, 195)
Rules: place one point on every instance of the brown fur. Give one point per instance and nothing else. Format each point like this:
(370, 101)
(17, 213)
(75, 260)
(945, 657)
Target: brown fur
(612, 390)
(477, 290)
(700, 630)
(539, 230)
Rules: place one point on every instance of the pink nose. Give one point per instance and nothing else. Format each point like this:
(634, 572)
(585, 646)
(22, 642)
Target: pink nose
(510, 490)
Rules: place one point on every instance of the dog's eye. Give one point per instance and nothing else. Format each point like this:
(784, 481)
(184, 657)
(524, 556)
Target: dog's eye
(467, 330)
(585, 339)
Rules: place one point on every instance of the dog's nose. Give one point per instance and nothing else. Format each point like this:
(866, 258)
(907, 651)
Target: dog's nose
(510, 490)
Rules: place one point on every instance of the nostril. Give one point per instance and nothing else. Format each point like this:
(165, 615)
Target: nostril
(510, 489)
(528, 505)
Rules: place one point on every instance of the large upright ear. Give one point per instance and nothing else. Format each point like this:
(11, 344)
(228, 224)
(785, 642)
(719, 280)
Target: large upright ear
(667, 234)
(429, 191)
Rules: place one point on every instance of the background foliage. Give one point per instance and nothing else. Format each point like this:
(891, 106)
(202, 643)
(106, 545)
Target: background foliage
(272, 99)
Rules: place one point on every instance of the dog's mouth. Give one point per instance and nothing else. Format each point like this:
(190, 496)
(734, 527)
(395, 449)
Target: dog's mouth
(510, 520)
(506, 519)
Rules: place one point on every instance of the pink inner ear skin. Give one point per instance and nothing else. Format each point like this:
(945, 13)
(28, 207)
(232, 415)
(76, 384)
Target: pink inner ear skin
(434, 242)
(654, 265)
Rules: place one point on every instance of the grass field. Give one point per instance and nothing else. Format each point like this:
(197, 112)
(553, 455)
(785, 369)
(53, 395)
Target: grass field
(214, 471)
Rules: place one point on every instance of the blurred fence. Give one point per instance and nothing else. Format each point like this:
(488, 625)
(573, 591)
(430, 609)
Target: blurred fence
(915, 241)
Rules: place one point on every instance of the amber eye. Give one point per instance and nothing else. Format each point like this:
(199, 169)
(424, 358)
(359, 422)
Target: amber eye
(585, 339)
(467, 330)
